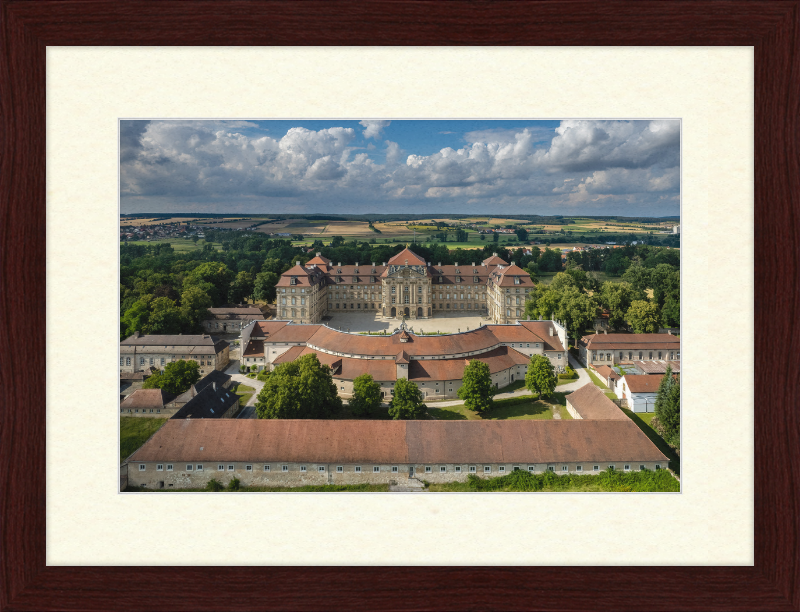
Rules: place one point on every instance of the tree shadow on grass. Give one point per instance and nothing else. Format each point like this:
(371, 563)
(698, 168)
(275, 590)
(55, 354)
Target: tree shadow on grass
(532, 409)
(674, 458)
(443, 414)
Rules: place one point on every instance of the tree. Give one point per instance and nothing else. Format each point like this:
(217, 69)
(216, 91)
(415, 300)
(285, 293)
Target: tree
(477, 388)
(300, 389)
(407, 401)
(643, 317)
(214, 278)
(577, 310)
(668, 408)
(495, 237)
(637, 276)
(264, 287)
(165, 317)
(195, 238)
(540, 377)
(671, 312)
(194, 307)
(617, 299)
(483, 236)
(366, 396)
(178, 376)
(337, 241)
(154, 381)
(665, 282)
(241, 288)
(522, 234)
(273, 265)
(136, 317)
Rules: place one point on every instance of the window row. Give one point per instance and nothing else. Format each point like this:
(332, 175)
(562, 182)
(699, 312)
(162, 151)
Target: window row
(487, 469)
(154, 361)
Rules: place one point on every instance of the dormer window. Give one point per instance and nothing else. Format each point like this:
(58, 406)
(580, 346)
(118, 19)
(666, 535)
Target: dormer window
(458, 271)
(516, 280)
(373, 270)
(355, 271)
(338, 271)
(293, 280)
(476, 279)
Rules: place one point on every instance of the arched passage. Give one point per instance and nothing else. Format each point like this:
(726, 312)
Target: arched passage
(394, 311)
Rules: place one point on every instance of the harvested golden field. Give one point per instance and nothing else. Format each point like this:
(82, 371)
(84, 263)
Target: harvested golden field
(349, 228)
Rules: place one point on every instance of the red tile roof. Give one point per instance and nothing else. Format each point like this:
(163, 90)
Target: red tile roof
(255, 348)
(147, 398)
(494, 260)
(592, 404)
(630, 341)
(349, 368)
(642, 383)
(407, 256)
(403, 442)
(499, 359)
(267, 328)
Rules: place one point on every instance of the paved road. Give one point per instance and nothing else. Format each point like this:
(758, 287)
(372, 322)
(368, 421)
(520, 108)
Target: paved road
(249, 411)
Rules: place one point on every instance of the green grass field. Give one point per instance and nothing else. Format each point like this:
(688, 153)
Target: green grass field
(134, 431)
(596, 379)
(513, 408)
(607, 481)
(244, 392)
(181, 245)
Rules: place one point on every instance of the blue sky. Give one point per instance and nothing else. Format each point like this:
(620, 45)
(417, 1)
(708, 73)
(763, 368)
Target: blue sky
(569, 167)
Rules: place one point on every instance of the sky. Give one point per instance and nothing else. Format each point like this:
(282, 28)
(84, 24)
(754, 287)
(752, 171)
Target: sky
(568, 167)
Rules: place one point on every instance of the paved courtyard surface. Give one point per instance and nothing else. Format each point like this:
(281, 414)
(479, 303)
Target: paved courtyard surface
(446, 324)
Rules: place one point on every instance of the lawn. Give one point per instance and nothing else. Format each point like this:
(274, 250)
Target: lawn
(606, 481)
(513, 408)
(642, 420)
(134, 431)
(595, 379)
(244, 392)
(180, 245)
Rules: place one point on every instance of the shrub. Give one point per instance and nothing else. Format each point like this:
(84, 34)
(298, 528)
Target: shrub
(234, 484)
(214, 485)
(570, 374)
(242, 368)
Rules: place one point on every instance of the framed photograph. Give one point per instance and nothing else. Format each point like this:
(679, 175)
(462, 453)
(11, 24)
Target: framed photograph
(70, 545)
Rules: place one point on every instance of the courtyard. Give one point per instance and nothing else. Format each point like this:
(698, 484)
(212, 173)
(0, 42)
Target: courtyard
(374, 322)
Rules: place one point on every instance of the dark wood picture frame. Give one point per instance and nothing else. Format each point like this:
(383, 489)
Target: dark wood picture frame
(771, 27)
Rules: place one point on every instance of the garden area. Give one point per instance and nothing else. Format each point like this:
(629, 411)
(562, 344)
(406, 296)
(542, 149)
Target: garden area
(244, 392)
(524, 407)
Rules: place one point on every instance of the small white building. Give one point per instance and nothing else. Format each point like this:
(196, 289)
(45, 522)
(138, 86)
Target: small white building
(639, 390)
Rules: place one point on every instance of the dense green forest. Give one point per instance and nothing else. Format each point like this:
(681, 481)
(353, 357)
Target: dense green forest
(166, 292)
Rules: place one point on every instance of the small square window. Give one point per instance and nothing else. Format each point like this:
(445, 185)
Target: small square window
(473, 469)
(501, 469)
(321, 468)
(266, 468)
(658, 466)
(339, 468)
(579, 468)
(487, 469)
(442, 468)
(611, 467)
(189, 467)
(230, 468)
(358, 468)
(564, 468)
(530, 468)
(141, 467)
(427, 469)
(641, 467)
(458, 469)
(199, 467)
(515, 468)
(302, 468)
(627, 467)
(284, 468)
(160, 467)
(551, 468)
(220, 468)
(394, 469)
(376, 468)
(596, 468)
(248, 468)
(169, 467)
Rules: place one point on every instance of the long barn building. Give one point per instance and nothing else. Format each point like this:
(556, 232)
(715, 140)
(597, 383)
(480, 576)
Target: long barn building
(189, 453)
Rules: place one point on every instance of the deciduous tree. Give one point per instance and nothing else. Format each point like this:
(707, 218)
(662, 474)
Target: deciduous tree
(366, 396)
(176, 377)
(643, 317)
(617, 298)
(264, 287)
(540, 377)
(165, 317)
(668, 408)
(476, 389)
(301, 389)
(407, 402)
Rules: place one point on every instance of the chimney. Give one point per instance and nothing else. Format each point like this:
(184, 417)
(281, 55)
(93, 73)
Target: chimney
(494, 254)
(669, 331)
(551, 331)
(297, 263)
(214, 386)
(356, 264)
(339, 264)
(456, 264)
(605, 332)
(384, 264)
(319, 254)
(440, 264)
(473, 264)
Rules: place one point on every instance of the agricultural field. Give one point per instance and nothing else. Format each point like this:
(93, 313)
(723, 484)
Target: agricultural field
(181, 245)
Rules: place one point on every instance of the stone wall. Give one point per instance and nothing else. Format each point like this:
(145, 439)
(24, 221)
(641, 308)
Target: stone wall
(179, 477)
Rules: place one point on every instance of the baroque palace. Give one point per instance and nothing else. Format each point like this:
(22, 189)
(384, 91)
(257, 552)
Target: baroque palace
(406, 286)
